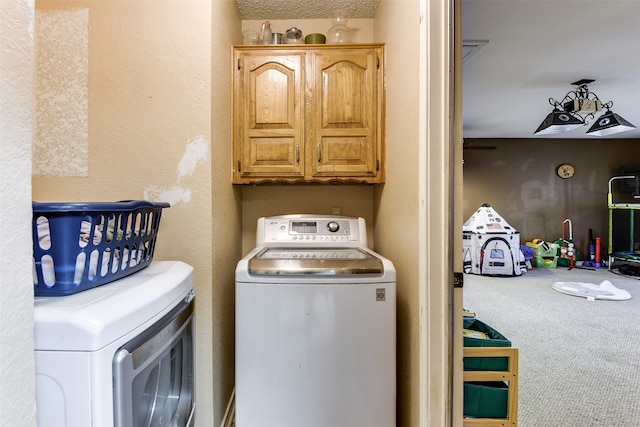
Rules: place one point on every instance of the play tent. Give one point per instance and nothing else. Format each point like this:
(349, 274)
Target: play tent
(490, 245)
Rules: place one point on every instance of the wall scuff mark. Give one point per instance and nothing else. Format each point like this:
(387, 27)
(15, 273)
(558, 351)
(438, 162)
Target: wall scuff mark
(196, 152)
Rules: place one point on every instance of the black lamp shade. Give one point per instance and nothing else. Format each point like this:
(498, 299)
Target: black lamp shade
(558, 122)
(609, 124)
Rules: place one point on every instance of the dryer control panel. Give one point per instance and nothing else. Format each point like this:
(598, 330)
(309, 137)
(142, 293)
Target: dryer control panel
(311, 230)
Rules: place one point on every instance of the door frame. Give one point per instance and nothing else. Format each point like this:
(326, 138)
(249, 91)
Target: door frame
(440, 217)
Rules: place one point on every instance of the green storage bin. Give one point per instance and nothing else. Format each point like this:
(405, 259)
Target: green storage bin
(551, 251)
(544, 262)
(544, 258)
(485, 399)
(493, 339)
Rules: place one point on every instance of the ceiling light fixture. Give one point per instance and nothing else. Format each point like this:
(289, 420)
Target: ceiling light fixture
(578, 108)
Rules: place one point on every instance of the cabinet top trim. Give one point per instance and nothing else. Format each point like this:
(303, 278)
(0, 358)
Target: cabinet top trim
(291, 47)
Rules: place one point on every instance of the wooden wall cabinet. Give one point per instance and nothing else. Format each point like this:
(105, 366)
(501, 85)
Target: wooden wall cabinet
(308, 114)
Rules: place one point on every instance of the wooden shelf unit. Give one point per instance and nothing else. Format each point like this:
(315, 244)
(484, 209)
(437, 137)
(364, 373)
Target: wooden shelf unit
(510, 376)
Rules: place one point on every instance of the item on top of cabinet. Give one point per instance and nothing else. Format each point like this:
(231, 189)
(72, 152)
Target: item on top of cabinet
(339, 33)
(278, 38)
(250, 37)
(315, 38)
(293, 36)
(266, 35)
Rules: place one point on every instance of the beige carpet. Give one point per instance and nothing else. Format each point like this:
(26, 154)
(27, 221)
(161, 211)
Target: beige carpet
(579, 359)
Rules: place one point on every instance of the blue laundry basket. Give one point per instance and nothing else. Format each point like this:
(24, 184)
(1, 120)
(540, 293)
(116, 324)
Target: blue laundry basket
(78, 246)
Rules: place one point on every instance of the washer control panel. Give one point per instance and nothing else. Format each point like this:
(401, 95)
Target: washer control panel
(311, 230)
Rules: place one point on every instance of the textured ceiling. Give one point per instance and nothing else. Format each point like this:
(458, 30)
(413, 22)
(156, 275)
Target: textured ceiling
(306, 9)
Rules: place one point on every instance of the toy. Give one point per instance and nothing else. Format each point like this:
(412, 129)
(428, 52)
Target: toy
(567, 248)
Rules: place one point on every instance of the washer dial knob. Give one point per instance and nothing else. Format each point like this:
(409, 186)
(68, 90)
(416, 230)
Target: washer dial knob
(333, 226)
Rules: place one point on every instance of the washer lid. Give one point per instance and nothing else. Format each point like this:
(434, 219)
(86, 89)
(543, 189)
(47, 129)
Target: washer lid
(93, 319)
(324, 261)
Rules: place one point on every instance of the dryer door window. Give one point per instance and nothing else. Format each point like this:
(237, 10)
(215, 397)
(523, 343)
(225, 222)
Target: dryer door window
(153, 374)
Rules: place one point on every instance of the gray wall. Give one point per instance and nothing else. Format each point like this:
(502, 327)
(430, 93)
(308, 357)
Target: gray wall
(518, 179)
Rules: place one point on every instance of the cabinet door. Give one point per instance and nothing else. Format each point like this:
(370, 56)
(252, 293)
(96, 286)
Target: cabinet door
(269, 108)
(343, 130)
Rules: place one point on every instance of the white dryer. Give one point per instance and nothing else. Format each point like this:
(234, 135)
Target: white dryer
(119, 355)
(315, 327)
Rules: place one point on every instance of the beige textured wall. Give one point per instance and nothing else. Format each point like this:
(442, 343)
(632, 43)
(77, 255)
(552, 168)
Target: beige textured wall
(226, 209)
(156, 97)
(518, 179)
(396, 206)
(259, 201)
(17, 369)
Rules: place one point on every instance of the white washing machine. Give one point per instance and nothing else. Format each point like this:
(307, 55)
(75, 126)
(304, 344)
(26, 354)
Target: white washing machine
(315, 327)
(118, 355)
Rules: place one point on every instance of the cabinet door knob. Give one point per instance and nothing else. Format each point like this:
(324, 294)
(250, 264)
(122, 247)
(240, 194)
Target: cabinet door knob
(319, 154)
(297, 154)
